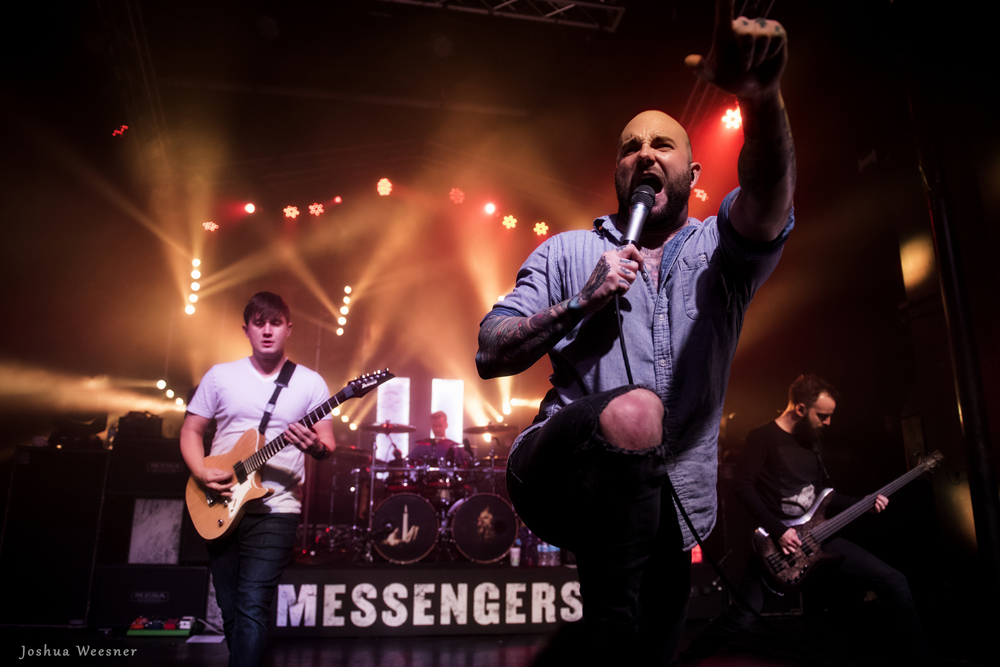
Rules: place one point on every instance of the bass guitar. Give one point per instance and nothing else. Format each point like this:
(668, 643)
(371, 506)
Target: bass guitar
(215, 516)
(786, 572)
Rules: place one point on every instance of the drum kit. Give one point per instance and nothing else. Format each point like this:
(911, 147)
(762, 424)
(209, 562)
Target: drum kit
(432, 507)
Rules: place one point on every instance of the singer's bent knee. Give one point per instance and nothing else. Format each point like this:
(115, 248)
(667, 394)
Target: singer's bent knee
(634, 420)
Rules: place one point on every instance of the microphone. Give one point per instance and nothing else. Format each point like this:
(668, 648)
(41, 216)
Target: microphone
(642, 203)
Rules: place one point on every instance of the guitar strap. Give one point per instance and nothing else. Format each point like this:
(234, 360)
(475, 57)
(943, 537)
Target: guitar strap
(283, 377)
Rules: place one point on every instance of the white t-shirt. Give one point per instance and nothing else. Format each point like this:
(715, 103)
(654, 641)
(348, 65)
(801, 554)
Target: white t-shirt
(235, 395)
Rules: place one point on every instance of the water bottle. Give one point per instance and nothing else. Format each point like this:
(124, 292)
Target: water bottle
(547, 554)
(515, 553)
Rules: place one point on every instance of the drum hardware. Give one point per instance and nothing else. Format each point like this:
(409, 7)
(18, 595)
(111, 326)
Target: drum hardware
(490, 428)
(423, 509)
(386, 428)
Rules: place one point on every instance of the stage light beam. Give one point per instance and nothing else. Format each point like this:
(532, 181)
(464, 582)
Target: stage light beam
(249, 208)
(161, 384)
(490, 208)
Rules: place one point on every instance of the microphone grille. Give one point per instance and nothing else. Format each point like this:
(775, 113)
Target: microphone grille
(643, 195)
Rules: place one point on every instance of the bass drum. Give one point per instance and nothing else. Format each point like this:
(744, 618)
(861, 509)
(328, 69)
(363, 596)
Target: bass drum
(483, 527)
(414, 525)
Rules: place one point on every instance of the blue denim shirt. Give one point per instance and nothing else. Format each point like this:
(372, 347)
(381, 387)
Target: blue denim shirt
(681, 335)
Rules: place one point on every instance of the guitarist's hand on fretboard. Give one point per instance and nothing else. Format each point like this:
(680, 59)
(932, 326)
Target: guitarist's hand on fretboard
(880, 503)
(306, 439)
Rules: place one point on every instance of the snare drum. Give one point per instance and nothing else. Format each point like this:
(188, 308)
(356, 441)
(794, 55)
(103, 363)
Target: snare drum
(483, 527)
(414, 526)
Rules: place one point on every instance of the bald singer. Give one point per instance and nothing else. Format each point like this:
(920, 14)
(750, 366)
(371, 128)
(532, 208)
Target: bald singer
(592, 473)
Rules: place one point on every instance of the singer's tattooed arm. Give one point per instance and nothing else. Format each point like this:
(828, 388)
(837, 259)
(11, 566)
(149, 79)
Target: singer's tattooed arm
(509, 344)
(766, 170)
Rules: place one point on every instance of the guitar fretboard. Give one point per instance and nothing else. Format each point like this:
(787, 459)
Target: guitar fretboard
(356, 388)
(255, 462)
(827, 529)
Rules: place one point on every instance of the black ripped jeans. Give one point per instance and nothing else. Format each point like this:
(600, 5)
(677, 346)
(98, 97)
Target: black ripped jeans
(612, 508)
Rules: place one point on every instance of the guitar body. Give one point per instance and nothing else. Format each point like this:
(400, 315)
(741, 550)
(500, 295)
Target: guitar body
(214, 516)
(786, 573)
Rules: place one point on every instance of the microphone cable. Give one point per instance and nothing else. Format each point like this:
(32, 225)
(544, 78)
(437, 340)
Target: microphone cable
(792, 642)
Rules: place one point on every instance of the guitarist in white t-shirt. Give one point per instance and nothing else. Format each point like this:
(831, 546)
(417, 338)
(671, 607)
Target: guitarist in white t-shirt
(247, 562)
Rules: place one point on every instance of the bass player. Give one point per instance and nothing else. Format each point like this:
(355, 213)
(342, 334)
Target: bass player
(779, 476)
(247, 563)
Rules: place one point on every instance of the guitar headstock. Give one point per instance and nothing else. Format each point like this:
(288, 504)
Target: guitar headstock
(932, 460)
(360, 386)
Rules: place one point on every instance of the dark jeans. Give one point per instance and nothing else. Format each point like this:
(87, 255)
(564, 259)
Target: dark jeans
(902, 627)
(612, 509)
(246, 566)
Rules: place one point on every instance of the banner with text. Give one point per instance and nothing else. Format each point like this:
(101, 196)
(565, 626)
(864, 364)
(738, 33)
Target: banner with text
(415, 600)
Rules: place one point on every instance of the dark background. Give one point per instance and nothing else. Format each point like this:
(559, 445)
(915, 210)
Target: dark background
(99, 229)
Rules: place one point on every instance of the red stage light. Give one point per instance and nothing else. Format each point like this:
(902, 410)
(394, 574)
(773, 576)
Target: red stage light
(316, 209)
(337, 199)
(732, 120)
(291, 211)
(490, 209)
(541, 228)
(384, 187)
(509, 221)
(456, 196)
(120, 130)
(701, 194)
(209, 226)
(249, 208)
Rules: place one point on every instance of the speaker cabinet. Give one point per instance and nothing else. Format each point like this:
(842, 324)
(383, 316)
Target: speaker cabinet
(147, 468)
(122, 593)
(50, 535)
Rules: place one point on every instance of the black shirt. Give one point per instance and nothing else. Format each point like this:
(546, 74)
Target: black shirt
(779, 478)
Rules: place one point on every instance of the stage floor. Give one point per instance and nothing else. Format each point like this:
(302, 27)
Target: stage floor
(752, 649)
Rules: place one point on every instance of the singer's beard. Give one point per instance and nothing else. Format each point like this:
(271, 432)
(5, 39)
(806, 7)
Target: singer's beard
(678, 191)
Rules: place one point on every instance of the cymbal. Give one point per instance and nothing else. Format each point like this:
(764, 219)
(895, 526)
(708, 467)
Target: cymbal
(350, 455)
(388, 427)
(489, 428)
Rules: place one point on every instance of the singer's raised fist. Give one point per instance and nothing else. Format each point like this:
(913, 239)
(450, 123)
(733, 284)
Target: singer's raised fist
(747, 57)
(615, 272)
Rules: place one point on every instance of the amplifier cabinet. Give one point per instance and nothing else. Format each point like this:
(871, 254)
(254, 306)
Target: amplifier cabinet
(49, 539)
(122, 593)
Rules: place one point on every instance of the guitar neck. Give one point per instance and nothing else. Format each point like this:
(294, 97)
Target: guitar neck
(257, 461)
(827, 529)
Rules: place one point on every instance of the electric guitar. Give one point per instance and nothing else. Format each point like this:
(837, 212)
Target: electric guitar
(214, 516)
(785, 573)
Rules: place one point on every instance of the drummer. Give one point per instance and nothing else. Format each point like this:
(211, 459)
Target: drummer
(439, 447)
